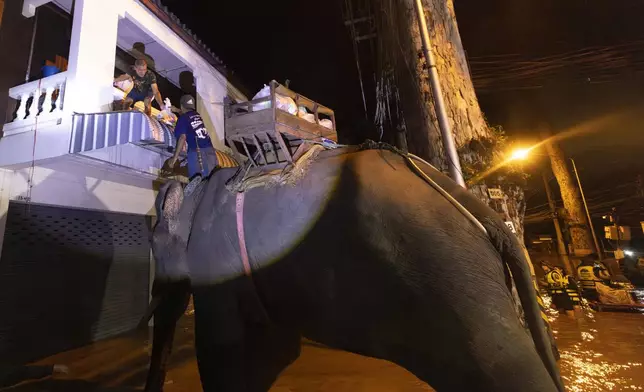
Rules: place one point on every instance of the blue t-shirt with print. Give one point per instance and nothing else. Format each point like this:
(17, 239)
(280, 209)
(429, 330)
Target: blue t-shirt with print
(191, 124)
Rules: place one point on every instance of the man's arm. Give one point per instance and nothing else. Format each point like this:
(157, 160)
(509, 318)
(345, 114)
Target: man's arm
(157, 95)
(181, 141)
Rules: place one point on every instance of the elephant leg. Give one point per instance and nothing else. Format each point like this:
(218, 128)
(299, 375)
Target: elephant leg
(235, 355)
(219, 338)
(269, 349)
(174, 302)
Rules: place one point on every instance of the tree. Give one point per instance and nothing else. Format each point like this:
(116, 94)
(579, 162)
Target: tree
(404, 106)
(480, 145)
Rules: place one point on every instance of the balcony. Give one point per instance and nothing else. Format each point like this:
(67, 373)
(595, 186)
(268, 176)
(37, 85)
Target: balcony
(40, 104)
(42, 130)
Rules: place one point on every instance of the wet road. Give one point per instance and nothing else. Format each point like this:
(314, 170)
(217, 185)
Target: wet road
(600, 352)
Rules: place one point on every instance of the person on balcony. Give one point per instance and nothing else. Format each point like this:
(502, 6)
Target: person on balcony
(190, 129)
(144, 87)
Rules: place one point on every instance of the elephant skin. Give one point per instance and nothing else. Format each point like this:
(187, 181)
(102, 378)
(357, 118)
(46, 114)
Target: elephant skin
(361, 254)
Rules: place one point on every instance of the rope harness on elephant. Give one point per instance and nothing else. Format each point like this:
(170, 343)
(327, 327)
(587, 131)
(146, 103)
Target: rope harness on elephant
(410, 158)
(239, 212)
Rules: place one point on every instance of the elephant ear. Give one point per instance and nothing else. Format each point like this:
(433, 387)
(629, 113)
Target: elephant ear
(169, 200)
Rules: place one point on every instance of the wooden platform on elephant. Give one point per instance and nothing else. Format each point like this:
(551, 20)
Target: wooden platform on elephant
(266, 135)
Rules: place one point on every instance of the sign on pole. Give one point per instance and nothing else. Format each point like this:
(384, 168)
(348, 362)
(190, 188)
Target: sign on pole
(495, 193)
(510, 225)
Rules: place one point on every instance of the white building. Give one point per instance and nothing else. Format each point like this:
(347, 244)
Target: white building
(77, 180)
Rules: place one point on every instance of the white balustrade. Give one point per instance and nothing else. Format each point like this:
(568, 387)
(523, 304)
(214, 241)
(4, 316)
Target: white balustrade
(30, 109)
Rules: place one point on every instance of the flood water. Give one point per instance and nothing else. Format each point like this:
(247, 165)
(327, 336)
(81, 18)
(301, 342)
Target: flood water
(601, 351)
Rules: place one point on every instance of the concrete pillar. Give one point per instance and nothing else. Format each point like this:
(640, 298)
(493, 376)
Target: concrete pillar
(92, 56)
(211, 92)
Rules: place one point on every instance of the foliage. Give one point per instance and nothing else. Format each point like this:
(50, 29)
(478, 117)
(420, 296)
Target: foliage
(485, 160)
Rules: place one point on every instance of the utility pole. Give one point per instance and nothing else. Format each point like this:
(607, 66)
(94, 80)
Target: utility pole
(561, 247)
(590, 221)
(453, 162)
(582, 241)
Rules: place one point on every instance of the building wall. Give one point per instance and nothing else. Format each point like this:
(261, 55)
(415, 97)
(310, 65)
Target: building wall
(92, 189)
(5, 190)
(76, 184)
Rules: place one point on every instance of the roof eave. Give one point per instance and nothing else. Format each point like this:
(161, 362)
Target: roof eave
(235, 88)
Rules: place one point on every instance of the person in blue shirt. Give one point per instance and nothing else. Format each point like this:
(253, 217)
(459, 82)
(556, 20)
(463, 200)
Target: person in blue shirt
(191, 129)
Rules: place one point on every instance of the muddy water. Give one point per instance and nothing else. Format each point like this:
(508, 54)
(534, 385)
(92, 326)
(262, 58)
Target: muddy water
(601, 351)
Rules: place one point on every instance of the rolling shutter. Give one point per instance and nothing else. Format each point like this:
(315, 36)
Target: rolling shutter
(69, 277)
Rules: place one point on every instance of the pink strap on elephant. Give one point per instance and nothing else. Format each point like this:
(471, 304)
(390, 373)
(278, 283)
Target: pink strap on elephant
(239, 210)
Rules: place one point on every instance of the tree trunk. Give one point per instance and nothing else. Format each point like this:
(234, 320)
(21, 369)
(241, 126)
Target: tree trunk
(511, 207)
(1, 11)
(466, 118)
(582, 242)
(462, 105)
(406, 104)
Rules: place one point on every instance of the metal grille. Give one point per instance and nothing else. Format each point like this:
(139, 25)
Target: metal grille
(69, 277)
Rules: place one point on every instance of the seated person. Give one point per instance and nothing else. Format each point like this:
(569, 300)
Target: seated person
(144, 89)
(563, 290)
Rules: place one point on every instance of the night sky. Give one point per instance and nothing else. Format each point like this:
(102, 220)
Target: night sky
(574, 64)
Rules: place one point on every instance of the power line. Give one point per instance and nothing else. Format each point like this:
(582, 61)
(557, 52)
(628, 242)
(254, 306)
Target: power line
(594, 65)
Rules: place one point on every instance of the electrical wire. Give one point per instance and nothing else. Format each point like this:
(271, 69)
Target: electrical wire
(595, 65)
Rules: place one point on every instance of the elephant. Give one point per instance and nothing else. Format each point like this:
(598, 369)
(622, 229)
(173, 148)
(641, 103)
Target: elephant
(361, 254)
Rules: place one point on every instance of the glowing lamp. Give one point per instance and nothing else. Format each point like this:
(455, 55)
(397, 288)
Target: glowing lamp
(520, 154)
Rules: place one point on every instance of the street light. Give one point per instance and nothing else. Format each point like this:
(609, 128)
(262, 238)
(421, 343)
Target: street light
(523, 153)
(520, 154)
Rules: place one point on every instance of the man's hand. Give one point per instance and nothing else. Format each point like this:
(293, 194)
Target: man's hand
(172, 162)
